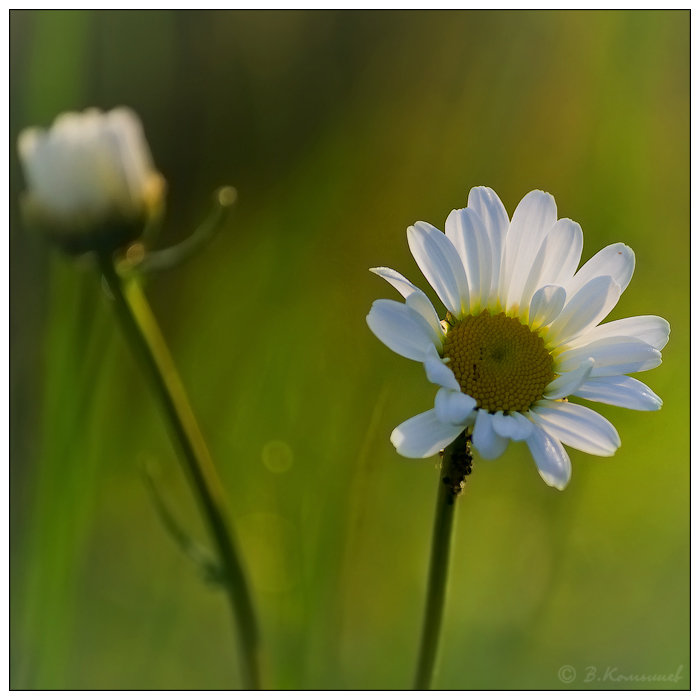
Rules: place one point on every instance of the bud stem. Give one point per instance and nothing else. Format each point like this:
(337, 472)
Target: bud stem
(143, 333)
(456, 466)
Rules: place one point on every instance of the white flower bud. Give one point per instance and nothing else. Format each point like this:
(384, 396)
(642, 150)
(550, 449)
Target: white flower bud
(91, 180)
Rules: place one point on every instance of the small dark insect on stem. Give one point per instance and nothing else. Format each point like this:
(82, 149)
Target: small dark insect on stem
(457, 464)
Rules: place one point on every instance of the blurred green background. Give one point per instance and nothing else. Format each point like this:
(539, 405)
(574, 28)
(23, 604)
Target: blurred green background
(340, 129)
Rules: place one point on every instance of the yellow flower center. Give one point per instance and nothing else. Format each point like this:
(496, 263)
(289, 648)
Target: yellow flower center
(498, 361)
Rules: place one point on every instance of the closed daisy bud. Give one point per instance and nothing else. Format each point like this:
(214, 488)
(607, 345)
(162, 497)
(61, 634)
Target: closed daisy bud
(91, 183)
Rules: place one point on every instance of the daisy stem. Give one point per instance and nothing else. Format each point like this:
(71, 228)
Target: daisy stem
(143, 333)
(456, 465)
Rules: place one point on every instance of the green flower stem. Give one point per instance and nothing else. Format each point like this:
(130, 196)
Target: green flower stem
(144, 335)
(456, 466)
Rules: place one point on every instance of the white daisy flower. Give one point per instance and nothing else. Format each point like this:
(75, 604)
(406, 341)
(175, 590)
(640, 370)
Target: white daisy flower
(522, 334)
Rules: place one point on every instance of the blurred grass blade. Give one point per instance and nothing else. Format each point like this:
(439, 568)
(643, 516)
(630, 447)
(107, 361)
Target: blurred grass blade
(147, 342)
(207, 565)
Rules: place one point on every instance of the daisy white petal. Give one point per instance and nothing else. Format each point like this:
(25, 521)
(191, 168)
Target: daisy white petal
(396, 280)
(556, 260)
(588, 306)
(528, 286)
(577, 426)
(547, 303)
(532, 220)
(439, 373)
(419, 302)
(453, 406)
(470, 238)
(567, 383)
(402, 329)
(485, 202)
(616, 260)
(626, 392)
(552, 460)
(514, 426)
(562, 251)
(612, 356)
(489, 443)
(415, 297)
(440, 263)
(650, 329)
(423, 435)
